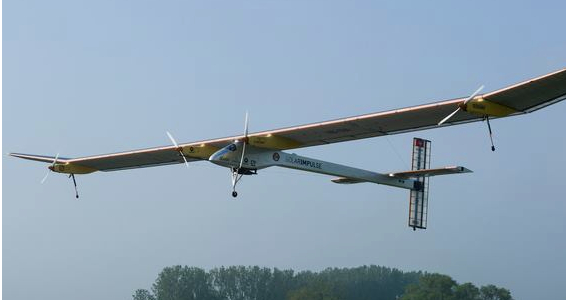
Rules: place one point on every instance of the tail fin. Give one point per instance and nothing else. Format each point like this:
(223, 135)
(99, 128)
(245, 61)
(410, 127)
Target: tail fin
(416, 180)
(418, 198)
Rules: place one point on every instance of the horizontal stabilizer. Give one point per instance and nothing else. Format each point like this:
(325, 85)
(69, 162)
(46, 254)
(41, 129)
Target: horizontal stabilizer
(431, 172)
(42, 158)
(411, 174)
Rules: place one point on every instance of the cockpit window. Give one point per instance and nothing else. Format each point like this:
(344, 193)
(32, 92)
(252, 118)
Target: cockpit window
(232, 147)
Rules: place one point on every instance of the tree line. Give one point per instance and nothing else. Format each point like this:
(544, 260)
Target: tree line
(359, 283)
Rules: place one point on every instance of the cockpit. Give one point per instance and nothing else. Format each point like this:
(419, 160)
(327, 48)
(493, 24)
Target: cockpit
(225, 154)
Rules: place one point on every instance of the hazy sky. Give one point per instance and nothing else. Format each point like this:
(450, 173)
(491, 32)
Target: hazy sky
(84, 78)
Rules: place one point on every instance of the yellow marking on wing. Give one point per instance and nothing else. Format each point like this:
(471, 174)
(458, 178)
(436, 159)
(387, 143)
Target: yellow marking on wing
(203, 151)
(70, 168)
(484, 107)
(271, 141)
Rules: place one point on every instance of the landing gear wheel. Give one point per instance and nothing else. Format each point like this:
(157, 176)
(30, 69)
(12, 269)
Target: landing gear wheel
(234, 194)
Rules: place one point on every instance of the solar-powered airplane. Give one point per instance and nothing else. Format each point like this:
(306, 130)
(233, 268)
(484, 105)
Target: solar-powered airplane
(246, 154)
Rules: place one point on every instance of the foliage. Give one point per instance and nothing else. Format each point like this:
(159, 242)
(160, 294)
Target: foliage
(143, 295)
(442, 287)
(360, 283)
(491, 292)
(431, 287)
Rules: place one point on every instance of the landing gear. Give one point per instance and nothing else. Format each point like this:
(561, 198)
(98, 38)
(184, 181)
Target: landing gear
(237, 174)
(236, 177)
(490, 133)
(75, 183)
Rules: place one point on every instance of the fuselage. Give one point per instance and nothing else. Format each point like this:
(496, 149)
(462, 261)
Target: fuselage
(256, 158)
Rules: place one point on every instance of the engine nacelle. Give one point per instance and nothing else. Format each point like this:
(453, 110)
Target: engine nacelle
(483, 107)
(69, 168)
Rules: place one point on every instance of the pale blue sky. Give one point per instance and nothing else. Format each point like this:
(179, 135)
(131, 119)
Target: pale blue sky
(84, 78)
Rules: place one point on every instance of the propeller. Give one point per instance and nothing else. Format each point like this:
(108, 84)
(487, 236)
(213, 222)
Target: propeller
(245, 141)
(463, 105)
(50, 169)
(179, 149)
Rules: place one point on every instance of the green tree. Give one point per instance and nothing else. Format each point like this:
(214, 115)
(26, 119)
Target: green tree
(184, 283)
(360, 283)
(281, 283)
(431, 287)
(491, 292)
(142, 294)
(225, 281)
(319, 290)
(467, 291)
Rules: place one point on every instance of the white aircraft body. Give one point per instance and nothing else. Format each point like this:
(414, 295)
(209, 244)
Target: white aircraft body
(246, 154)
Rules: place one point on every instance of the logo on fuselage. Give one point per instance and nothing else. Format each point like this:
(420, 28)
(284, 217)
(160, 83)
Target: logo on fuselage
(276, 156)
(303, 162)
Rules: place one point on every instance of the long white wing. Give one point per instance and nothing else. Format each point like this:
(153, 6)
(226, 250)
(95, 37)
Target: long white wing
(524, 97)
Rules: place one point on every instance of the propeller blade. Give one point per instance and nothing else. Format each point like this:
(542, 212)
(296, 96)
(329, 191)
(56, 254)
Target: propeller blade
(243, 153)
(55, 160)
(246, 126)
(45, 177)
(172, 139)
(449, 116)
(245, 140)
(49, 171)
(474, 94)
(177, 146)
(465, 102)
(185, 159)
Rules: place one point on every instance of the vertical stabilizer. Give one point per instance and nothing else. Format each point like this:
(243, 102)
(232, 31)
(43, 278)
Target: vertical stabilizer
(418, 199)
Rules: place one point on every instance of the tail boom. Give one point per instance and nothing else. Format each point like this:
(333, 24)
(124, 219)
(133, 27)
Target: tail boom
(347, 174)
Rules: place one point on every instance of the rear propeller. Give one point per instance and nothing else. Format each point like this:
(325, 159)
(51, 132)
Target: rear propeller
(179, 149)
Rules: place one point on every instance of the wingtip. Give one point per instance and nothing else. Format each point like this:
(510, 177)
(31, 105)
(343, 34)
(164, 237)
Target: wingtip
(19, 155)
(465, 170)
(41, 158)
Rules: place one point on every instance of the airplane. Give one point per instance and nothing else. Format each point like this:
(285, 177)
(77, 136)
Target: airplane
(247, 153)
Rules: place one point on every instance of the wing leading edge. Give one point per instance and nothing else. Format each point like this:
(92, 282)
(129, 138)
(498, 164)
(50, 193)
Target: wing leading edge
(521, 98)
